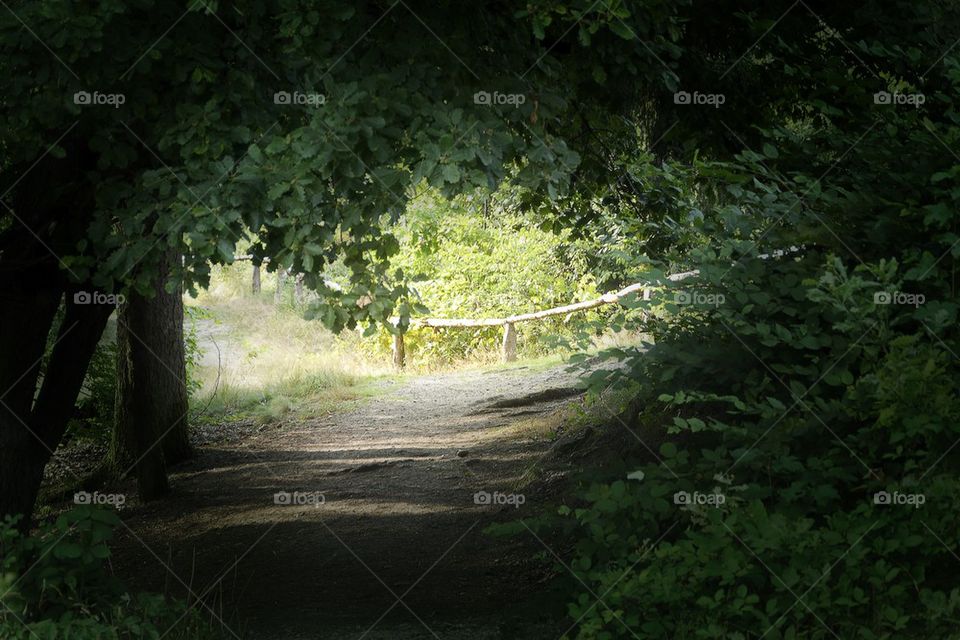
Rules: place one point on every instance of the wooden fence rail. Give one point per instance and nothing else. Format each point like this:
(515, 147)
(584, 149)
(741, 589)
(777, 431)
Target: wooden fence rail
(508, 344)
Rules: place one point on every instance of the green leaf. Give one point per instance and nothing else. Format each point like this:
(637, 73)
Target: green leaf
(451, 173)
(668, 450)
(225, 247)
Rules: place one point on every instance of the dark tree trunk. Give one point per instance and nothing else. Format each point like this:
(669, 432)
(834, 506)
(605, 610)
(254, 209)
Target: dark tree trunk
(151, 408)
(51, 206)
(175, 400)
(31, 429)
(136, 435)
(27, 314)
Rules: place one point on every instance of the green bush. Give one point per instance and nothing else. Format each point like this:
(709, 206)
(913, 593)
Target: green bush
(808, 373)
(820, 401)
(477, 257)
(55, 584)
(835, 407)
(94, 412)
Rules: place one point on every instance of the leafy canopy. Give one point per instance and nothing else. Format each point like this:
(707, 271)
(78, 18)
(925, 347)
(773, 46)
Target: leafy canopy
(303, 125)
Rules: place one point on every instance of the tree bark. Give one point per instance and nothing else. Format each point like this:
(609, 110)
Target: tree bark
(26, 315)
(150, 428)
(175, 401)
(50, 208)
(31, 430)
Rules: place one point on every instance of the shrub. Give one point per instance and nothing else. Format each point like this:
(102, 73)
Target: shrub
(810, 487)
(94, 412)
(55, 584)
(476, 257)
(838, 508)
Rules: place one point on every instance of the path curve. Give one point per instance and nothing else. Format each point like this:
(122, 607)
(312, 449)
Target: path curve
(398, 476)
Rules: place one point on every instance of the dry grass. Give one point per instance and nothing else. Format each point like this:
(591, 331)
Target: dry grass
(539, 427)
(264, 359)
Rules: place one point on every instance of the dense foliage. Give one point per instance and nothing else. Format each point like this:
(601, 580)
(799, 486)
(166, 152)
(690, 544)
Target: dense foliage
(798, 155)
(327, 125)
(807, 376)
(56, 584)
(481, 256)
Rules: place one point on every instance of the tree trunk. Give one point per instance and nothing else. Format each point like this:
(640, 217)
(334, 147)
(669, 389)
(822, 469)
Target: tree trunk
(53, 204)
(175, 401)
(31, 429)
(22, 460)
(27, 314)
(150, 428)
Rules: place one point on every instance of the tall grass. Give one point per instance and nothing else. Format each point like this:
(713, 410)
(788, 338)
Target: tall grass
(264, 360)
(260, 358)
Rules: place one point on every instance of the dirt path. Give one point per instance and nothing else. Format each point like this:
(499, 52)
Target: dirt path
(397, 478)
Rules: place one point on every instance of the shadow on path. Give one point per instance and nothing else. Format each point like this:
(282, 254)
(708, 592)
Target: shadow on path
(380, 536)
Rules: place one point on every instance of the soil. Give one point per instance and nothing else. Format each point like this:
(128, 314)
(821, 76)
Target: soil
(383, 536)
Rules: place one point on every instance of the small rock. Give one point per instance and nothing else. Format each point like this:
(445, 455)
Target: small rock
(462, 453)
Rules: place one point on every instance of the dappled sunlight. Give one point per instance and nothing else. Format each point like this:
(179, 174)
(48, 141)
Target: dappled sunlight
(567, 320)
(250, 344)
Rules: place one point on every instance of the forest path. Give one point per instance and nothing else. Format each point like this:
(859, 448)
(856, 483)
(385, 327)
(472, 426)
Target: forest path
(396, 549)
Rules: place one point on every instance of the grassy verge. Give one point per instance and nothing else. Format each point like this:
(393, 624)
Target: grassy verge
(261, 360)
